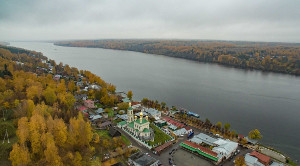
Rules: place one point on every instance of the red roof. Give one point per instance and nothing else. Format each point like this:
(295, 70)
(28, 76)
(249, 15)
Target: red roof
(261, 157)
(82, 108)
(89, 101)
(86, 114)
(203, 149)
(187, 128)
(173, 122)
(241, 136)
(163, 146)
(135, 103)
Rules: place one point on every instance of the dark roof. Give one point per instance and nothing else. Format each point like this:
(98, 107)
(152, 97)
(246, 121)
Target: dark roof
(105, 123)
(80, 96)
(113, 132)
(142, 159)
(118, 164)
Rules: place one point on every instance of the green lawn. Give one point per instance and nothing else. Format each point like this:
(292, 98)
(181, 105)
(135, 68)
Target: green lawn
(160, 137)
(103, 133)
(98, 105)
(7, 147)
(125, 140)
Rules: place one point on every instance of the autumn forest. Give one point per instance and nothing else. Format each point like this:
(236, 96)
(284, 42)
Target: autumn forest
(275, 57)
(40, 125)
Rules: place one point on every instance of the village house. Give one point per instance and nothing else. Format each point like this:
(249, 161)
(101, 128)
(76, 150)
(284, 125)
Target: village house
(95, 87)
(80, 84)
(57, 77)
(265, 160)
(160, 123)
(100, 111)
(113, 132)
(173, 122)
(82, 108)
(252, 161)
(104, 125)
(89, 103)
(153, 113)
(81, 97)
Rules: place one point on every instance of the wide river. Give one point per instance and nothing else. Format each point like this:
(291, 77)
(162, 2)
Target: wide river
(246, 99)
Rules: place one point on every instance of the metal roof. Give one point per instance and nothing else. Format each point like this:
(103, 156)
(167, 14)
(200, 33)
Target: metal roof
(206, 139)
(252, 160)
(180, 131)
(225, 147)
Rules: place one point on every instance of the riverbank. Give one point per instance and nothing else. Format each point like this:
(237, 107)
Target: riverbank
(269, 57)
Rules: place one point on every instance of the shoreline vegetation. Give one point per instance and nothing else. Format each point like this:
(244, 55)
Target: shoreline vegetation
(41, 115)
(264, 56)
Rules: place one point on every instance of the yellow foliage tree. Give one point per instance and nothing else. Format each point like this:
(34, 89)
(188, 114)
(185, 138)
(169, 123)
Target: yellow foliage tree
(19, 155)
(51, 152)
(71, 86)
(61, 88)
(50, 96)
(37, 127)
(34, 92)
(240, 161)
(23, 130)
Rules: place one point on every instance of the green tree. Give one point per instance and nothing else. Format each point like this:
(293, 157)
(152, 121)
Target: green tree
(226, 126)
(129, 94)
(123, 106)
(219, 125)
(145, 101)
(254, 134)
(163, 104)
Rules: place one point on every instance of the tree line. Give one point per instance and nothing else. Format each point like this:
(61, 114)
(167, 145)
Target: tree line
(275, 57)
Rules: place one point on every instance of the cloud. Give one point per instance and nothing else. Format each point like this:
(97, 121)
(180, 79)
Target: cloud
(258, 20)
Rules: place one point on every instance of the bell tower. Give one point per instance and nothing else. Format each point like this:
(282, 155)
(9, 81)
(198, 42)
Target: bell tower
(130, 113)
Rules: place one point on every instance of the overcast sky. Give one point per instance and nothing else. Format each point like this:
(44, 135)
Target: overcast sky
(251, 20)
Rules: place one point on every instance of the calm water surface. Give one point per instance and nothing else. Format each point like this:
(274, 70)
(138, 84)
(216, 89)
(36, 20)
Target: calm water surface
(247, 100)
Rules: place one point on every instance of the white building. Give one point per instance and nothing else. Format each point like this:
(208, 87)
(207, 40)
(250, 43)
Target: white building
(179, 132)
(153, 113)
(225, 147)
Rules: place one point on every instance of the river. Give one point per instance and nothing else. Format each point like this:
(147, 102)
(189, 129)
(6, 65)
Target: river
(246, 99)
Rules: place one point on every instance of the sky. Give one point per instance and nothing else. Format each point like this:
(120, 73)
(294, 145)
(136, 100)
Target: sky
(245, 20)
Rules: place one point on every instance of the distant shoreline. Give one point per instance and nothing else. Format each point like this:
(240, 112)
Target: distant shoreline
(192, 55)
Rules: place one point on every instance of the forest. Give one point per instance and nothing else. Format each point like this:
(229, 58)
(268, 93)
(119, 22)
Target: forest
(39, 121)
(265, 56)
